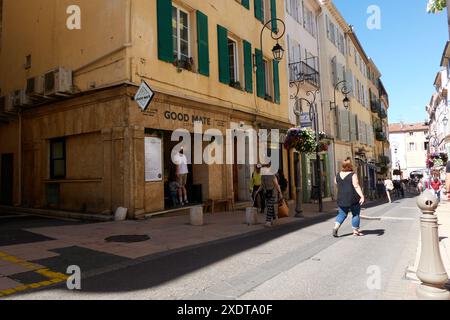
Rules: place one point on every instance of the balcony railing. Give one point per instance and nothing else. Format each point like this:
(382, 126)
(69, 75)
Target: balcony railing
(381, 136)
(383, 114)
(375, 106)
(302, 72)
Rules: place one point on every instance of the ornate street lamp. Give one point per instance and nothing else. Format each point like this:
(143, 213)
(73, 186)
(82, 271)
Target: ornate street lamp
(345, 91)
(277, 50)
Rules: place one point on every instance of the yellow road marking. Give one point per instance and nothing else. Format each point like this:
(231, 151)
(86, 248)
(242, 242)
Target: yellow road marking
(53, 277)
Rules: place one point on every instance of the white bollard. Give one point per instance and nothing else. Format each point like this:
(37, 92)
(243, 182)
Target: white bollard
(251, 216)
(121, 214)
(197, 216)
(431, 271)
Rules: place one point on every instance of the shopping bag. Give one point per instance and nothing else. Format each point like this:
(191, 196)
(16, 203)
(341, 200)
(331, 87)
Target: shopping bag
(283, 209)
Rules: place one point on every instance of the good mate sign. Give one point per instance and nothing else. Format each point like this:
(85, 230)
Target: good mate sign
(144, 96)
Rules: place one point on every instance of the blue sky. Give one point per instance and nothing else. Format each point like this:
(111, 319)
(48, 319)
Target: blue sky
(407, 50)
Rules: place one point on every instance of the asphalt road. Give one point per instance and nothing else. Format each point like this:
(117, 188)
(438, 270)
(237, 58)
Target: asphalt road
(297, 261)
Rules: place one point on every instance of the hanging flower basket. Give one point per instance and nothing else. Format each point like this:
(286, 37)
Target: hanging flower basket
(436, 160)
(304, 140)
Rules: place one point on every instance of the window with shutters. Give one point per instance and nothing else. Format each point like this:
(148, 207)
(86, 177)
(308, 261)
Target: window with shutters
(268, 80)
(181, 36)
(332, 33)
(293, 9)
(309, 22)
(266, 10)
(294, 51)
(233, 54)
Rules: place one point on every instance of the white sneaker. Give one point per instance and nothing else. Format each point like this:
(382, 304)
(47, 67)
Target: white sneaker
(268, 225)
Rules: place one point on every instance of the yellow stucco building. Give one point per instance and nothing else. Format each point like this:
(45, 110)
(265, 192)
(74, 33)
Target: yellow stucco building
(71, 132)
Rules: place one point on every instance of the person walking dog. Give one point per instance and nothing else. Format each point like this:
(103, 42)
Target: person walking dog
(350, 198)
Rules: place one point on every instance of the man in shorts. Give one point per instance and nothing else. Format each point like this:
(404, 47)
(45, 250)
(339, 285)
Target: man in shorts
(182, 171)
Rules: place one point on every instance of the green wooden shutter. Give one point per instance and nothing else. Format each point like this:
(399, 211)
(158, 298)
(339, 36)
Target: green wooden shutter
(248, 67)
(203, 44)
(273, 12)
(260, 75)
(165, 41)
(224, 61)
(258, 10)
(276, 82)
(246, 3)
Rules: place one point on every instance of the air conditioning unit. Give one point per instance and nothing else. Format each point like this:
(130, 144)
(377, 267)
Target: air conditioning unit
(58, 82)
(35, 87)
(20, 99)
(8, 106)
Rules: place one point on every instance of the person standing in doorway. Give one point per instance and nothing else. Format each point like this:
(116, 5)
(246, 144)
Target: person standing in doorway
(182, 172)
(254, 186)
(272, 193)
(174, 188)
(389, 186)
(350, 198)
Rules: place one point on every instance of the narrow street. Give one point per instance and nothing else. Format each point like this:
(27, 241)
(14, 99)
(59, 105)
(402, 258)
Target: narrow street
(298, 260)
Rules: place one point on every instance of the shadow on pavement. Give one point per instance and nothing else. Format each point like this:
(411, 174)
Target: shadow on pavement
(160, 268)
(377, 232)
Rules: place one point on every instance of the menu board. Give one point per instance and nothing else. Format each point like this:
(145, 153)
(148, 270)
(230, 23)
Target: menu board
(153, 159)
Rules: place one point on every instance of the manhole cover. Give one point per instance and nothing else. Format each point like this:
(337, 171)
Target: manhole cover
(128, 238)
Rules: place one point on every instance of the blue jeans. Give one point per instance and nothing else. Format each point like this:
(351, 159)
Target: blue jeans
(343, 213)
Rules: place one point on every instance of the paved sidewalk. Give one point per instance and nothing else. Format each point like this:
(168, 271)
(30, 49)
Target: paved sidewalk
(39, 264)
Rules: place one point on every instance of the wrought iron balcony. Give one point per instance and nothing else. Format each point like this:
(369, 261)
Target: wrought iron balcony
(381, 136)
(375, 106)
(302, 72)
(383, 114)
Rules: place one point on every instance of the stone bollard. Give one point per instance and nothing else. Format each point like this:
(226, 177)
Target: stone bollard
(197, 216)
(431, 270)
(251, 216)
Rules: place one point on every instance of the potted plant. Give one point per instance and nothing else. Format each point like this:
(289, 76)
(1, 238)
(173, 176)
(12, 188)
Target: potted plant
(236, 85)
(184, 63)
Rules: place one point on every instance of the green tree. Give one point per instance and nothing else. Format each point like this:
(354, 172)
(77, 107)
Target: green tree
(435, 6)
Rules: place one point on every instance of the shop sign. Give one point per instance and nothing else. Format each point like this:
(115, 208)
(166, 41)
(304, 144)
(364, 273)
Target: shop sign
(186, 118)
(144, 96)
(305, 120)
